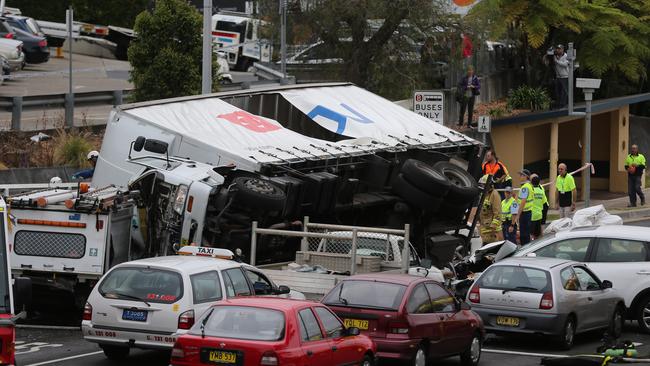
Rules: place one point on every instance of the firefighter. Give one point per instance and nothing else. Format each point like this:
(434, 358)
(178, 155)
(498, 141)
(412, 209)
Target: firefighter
(490, 217)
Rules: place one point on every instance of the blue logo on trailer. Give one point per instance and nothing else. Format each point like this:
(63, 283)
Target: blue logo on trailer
(340, 119)
(75, 217)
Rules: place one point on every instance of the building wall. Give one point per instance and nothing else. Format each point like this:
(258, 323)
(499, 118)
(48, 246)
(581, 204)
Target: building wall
(619, 138)
(509, 147)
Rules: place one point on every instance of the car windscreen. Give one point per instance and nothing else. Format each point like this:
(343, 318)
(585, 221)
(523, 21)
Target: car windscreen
(142, 284)
(366, 294)
(515, 278)
(242, 322)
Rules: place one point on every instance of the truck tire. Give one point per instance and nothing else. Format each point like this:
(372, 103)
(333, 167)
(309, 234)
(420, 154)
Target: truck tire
(259, 193)
(414, 196)
(464, 187)
(424, 177)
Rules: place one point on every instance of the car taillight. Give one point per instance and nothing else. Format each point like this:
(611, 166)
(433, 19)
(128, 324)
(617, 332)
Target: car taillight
(9, 35)
(547, 301)
(269, 358)
(398, 328)
(88, 312)
(186, 320)
(475, 294)
(42, 43)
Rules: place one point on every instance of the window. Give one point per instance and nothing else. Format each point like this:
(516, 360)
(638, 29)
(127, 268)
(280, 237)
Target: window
(419, 301)
(621, 250)
(587, 280)
(236, 283)
(370, 294)
(516, 278)
(569, 280)
(441, 300)
(50, 244)
(571, 249)
(206, 287)
(142, 283)
(261, 284)
(249, 30)
(244, 322)
(333, 326)
(310, 330)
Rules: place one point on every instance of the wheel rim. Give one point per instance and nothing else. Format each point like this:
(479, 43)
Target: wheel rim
(420, 358)
(475, 350)
(260, 186)
(646, 315)
(568, 333)
(454, 178)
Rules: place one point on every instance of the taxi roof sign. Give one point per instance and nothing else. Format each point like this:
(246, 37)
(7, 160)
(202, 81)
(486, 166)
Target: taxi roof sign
(206, 252)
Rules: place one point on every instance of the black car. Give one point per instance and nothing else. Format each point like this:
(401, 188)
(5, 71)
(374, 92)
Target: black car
(25, 23)
(35, 47)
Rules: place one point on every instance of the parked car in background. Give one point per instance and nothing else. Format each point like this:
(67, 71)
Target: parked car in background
(555, 297)
(6, 30)
(256, 331)
(12, 50)
(35, 47)
(410, 318)
(615, 252)
(25, 23)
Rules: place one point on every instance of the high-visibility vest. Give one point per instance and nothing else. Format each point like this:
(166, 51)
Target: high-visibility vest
(530, 199)
(506, 208)
(538, 204)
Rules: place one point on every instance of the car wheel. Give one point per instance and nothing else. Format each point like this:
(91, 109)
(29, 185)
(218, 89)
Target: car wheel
(463, 188)
(568, 334)
(472, 355)
(259, 193)
(414, 196)
(116, 352)
(420, 358)
(643, 314)
(617, 322)
(424, 177)
(367, 361)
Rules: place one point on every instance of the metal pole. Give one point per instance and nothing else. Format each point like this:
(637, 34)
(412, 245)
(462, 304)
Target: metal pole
(70, 18)
(406, 254)
(571, 55)
(588, 97)
(253, 242)
(206, 85)
(304, 243)
(2, 7)
(353, 254)
(283, 37)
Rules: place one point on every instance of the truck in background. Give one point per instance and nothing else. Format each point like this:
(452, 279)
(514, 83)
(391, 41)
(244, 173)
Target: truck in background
(238, 35)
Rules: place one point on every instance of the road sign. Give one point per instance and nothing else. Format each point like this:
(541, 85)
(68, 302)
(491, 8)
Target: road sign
(484, 124)
(429, 104)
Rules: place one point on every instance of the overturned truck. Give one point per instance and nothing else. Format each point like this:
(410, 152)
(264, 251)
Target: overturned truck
(334, 152)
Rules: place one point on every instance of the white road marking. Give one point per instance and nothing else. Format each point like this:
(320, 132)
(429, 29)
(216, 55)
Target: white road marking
(33, 347)
(66, 358)
(523, 353)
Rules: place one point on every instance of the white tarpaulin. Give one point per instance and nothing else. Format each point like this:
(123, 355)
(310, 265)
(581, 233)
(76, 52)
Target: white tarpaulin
(355, 112)
(237, 133)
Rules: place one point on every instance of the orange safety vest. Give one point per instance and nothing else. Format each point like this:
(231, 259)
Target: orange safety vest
(494, 168)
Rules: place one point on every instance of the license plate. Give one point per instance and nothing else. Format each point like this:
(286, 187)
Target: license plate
(135, 315)
(508, 321)
(220, 357)
(356, 323)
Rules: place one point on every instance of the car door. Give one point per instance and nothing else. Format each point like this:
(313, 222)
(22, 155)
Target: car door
(316, 349)
(573, 299)
(344, 351)
(261, 284)
(206, 290)
(457, 331)
(623, 262)
(423, 322)
(599, 299)
(575, 249)
(236, 283)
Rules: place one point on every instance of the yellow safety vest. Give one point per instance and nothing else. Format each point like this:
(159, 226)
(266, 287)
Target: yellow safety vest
(530, 196)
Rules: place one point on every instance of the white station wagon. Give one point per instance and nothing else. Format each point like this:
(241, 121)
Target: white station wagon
(147, 303)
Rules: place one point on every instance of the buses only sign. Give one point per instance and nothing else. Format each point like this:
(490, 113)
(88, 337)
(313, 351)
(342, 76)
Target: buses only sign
(430, 104)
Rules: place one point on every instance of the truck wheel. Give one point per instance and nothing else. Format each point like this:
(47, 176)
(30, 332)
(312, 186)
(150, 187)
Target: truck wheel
(115, 352)
(424, 177)
(464, 187)
(414, 196)
(259, 193)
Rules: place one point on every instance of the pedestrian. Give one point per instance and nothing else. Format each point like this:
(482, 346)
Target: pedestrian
(527, 200)
(492, 166)
(635, 164)
(509, 209)
(561, 63)
(88, 173)
(566, 195)
(468, 88)
(538, 206)
(490, 217)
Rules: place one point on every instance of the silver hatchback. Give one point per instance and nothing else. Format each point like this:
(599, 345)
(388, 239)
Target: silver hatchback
(549, 296)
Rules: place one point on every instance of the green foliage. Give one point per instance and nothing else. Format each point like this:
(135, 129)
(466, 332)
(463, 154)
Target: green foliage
(527, 97)
(71, 148)
(120, 13)
(497, 112)
(166, 57)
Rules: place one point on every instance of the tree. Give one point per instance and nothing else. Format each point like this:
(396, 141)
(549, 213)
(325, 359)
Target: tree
(120, 13)
(166, 56)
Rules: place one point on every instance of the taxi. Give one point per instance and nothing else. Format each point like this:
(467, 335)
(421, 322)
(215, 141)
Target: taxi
(148, 303)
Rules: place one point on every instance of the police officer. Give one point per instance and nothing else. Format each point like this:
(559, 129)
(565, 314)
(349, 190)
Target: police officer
(525, 212)
(509, 209)
(538, 206)
(490, 217)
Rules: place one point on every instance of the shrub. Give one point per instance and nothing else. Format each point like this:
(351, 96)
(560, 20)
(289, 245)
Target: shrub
(71, 148)
(527, 97)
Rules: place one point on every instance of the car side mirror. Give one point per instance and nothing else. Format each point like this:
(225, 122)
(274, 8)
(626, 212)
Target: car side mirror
(138, 144)
(426, 263)
(282, 289)
(353, 331)
(607, 284)
(156, 146)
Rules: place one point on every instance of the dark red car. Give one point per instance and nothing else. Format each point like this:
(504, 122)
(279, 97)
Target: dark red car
(271, 331)
(410, 318)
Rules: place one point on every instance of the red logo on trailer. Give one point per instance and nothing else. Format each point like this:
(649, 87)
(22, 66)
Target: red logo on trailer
(251, 122)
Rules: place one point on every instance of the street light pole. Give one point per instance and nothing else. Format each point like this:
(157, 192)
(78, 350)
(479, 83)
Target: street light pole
(206, 85)
(588, 97)
(69, 110)
(571, 56)
(283, 37)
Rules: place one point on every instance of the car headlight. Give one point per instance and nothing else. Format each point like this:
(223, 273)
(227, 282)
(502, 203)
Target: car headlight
(179, 201)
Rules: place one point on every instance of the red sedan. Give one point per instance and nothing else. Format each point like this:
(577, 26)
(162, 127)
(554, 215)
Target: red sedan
(271, 331)
(410, 318)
